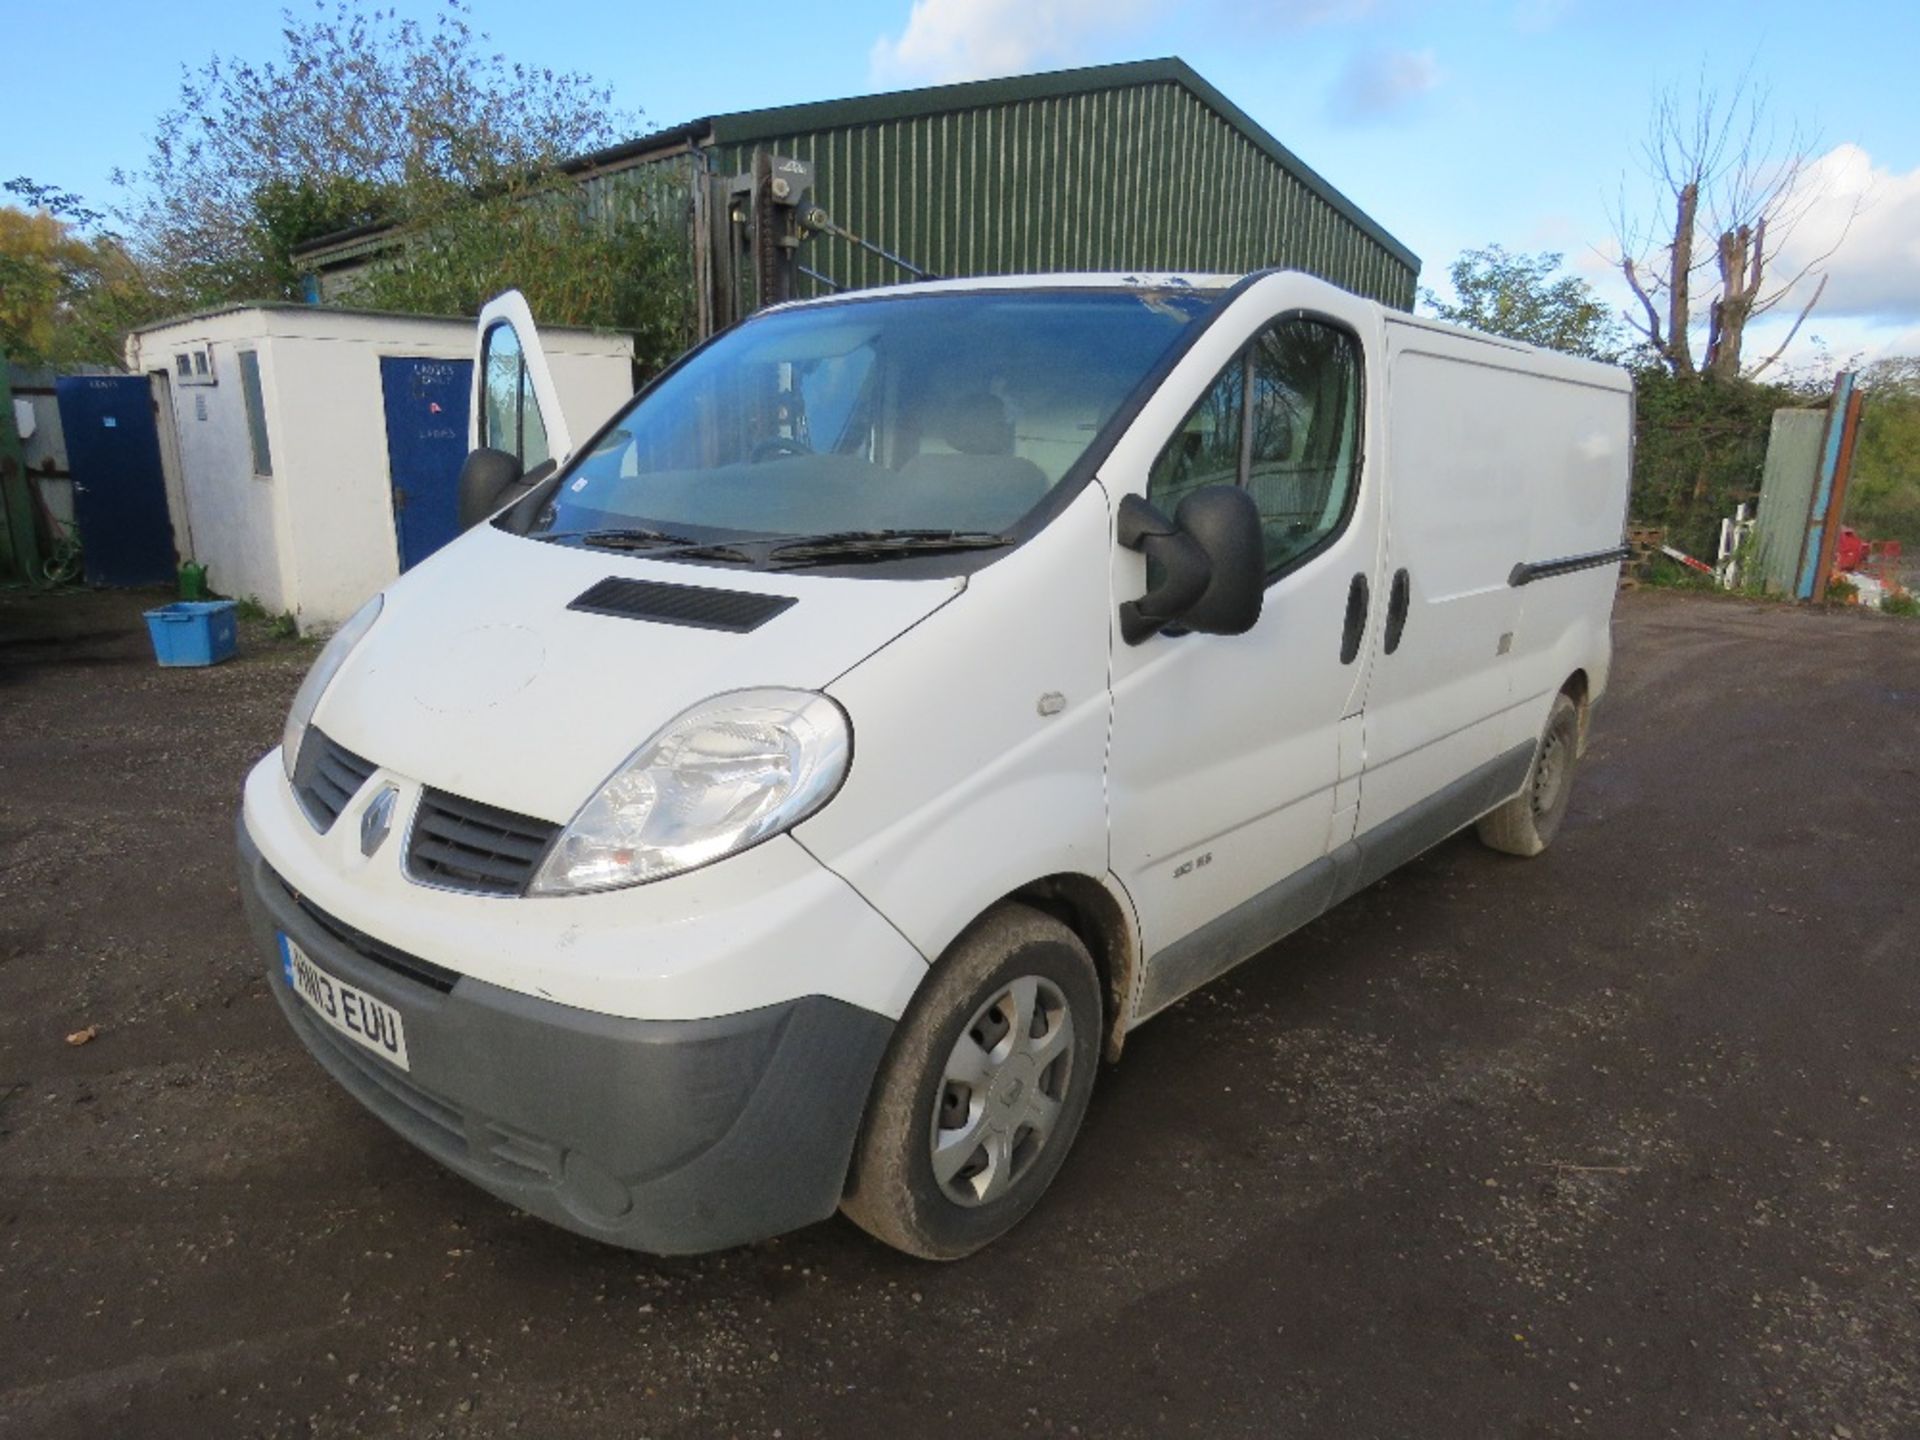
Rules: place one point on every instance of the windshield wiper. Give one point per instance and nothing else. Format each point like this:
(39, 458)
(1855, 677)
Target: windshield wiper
(638, 537)
(619, 537)
(860, 545)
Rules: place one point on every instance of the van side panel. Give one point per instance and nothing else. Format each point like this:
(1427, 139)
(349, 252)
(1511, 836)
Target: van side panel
(980, 739)
(1579, 510)
(1458, 461)
(1498, 455)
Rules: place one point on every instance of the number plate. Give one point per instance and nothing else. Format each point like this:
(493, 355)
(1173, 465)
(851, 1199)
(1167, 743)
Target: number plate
(371, 1024)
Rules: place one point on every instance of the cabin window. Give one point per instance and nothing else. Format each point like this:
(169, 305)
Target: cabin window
(256, 413)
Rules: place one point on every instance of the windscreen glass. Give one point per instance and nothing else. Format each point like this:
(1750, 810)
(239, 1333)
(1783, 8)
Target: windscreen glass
(945, 412)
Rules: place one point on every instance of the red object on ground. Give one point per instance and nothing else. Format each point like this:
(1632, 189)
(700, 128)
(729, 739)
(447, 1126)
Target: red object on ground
(1851, 551)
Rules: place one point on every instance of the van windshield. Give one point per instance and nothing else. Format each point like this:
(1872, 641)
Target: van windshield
(907, 414)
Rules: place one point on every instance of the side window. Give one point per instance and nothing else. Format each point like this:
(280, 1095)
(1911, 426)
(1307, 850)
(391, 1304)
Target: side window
(533, 429)
(1302, 457)
(256, 414)
(1281, 421)
(510, 417)
(1205, 450)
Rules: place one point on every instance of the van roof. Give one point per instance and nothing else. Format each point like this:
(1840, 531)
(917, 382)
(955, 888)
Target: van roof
(1055, 280)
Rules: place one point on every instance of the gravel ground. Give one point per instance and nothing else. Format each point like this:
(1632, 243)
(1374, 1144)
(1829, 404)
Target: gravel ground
(1621, 1141)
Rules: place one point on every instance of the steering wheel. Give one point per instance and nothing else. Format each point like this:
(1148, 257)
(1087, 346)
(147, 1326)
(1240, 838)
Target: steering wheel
(775, 446)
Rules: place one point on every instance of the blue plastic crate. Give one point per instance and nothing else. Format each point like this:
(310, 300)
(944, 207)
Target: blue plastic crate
(193, 632)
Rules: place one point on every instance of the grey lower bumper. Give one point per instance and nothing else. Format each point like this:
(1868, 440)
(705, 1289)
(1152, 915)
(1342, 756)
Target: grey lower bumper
(672, 1137)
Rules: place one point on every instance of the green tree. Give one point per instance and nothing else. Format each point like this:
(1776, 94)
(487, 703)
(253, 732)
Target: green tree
(574, 266)
(363, 117)
(1525, 297)
(63, 297)
(1883, 494)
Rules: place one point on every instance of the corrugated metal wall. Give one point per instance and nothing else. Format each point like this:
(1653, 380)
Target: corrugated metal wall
(1139, 177)
(1786, 495)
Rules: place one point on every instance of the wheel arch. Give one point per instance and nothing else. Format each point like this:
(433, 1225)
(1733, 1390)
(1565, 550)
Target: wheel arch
(1578, 689)
(1103, 921)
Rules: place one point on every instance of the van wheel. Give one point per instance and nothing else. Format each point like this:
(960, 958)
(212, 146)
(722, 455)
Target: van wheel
(982, 1089)
(1526, 824)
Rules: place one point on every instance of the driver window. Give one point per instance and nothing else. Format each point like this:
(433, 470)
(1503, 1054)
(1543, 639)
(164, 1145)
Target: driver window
(510, 417)
(1205, 450)
(1281, 421)
(1305, 381)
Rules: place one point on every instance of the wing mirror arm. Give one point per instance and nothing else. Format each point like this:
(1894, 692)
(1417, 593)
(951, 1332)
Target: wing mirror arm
(1185, 569)
(527, 496)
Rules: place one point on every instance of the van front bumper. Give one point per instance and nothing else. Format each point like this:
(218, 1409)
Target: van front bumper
(669, 1136)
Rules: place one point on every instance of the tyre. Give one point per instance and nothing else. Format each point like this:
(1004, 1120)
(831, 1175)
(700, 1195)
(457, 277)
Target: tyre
(1526, 824)
(982, 1089)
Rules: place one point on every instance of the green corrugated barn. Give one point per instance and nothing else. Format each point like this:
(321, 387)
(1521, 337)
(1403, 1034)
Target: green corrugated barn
(1140, 166)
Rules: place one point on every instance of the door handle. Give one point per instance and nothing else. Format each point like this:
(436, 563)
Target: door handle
(1399, 600)
(1356, 626)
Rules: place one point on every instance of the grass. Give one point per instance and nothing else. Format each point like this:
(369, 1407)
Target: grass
(1665, 574)
(279, 627)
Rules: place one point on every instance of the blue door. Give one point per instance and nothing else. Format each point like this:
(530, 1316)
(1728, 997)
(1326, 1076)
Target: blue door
(119, 490)
(426, 403)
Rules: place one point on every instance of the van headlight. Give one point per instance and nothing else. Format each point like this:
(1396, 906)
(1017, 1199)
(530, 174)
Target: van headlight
(728, 773)
(320, 676)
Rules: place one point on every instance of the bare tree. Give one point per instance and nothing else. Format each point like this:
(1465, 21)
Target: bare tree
(1724, 177)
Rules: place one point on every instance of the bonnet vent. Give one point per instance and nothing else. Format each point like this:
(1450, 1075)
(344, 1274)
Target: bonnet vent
(695, 605)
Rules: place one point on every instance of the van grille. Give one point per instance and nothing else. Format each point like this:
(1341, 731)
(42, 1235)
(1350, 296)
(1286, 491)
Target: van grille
(325, 777)
(399, 962)
(700, 606)
(464, 845)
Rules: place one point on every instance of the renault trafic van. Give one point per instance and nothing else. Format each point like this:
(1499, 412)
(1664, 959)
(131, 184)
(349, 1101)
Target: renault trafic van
(785, 798)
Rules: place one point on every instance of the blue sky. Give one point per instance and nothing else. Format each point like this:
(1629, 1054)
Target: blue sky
(1454, 124)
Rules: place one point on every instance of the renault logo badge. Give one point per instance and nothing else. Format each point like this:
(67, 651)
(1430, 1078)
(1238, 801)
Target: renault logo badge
(376, 822)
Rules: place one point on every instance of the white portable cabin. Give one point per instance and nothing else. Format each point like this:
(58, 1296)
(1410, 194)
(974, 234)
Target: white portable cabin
(293, 438)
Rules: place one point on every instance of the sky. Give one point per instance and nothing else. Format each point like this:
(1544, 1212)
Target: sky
(1454, 124)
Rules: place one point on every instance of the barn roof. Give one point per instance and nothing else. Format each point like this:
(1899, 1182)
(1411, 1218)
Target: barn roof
(748, 126)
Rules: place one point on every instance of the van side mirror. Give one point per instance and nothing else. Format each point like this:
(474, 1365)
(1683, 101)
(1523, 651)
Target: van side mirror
(487, 484)
(484, 478)
(1212, 563)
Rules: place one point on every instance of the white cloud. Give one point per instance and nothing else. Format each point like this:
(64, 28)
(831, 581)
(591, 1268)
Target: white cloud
(1536, 17)
(1379, 84)
(1823, 346)
(1873, 216)
(946, 40)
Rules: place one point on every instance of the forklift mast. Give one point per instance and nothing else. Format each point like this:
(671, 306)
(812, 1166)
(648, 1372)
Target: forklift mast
(755, 225)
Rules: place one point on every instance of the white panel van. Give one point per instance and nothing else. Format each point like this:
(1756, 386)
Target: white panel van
(785, 798)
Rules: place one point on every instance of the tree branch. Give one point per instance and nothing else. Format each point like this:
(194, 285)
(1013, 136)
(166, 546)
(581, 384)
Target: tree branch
(1652, 328)
(1805, 310)
(1679, 297)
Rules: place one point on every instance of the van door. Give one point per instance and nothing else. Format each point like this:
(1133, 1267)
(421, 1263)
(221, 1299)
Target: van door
(1226, 765)
(1459, 450)
(515, 406)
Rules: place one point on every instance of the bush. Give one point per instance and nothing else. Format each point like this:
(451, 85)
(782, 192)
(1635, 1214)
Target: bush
(1700, 447)
(1883, 500)
(628, 272)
